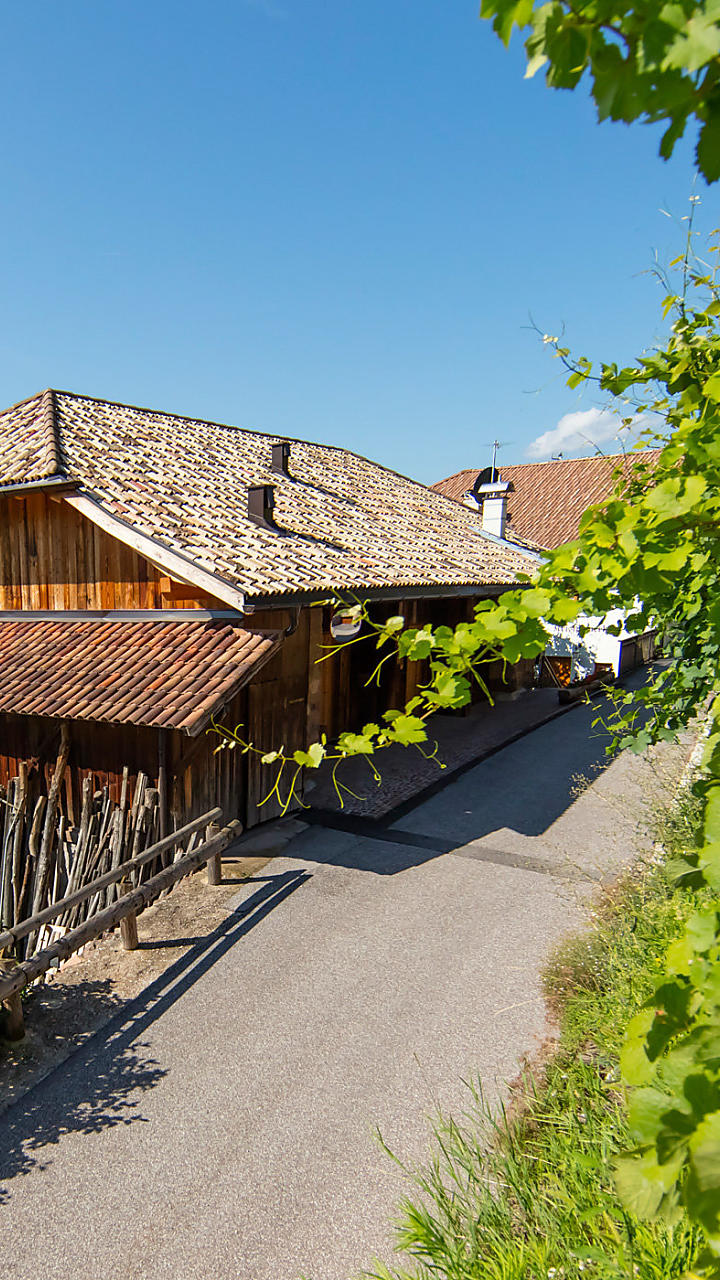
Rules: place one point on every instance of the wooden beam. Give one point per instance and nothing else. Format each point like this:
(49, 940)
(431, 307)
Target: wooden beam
(162, 783)
(214, 864)
(172, 590)
(123, 615)
(53, 485)
(430, 592)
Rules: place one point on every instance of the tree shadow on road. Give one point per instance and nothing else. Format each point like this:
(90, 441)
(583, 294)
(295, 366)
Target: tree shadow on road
(101, 1084)
(105, 1091)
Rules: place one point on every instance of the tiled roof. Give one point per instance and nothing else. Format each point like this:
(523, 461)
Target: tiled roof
(550, 497)
(343, 522)
(28, 441)
(171, 674)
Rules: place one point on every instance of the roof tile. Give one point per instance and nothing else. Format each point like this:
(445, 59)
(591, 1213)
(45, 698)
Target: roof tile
(550, 497)
(174, 674)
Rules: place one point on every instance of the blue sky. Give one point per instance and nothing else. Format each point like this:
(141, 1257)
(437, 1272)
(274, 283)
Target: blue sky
(329, 220)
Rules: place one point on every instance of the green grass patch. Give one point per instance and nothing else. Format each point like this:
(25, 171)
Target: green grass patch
(528, 1194)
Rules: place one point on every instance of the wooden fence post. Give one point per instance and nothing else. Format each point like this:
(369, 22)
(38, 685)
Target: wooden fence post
(14, 1028)
(128, 924)
(14, 1021)
(214, 864)
(128, 931)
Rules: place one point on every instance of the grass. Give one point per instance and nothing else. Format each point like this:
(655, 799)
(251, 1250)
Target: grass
(528, 1194)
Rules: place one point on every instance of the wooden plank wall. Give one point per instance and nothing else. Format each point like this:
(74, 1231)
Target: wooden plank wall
(51, 557)
(97, 751)
(335, 692)
(278, 710)
(196, 778)
(339, 688)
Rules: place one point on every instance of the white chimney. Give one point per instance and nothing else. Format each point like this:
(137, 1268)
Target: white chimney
(494, 498)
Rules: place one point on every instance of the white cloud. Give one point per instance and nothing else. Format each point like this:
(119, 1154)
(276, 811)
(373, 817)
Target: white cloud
(585, 429)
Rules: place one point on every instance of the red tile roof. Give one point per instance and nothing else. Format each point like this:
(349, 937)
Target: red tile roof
(550, 497)
(172, 674)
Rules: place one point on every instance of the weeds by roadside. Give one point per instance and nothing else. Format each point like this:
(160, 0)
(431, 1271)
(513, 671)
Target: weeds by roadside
(528, 1194)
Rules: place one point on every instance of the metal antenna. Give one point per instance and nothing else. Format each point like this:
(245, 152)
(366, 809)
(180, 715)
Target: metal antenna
(495, 445)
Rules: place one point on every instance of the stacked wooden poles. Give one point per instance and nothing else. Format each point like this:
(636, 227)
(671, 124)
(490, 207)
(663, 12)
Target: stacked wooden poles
(44, 857)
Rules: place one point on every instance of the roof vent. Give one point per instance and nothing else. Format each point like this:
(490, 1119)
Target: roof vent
(261, 505)
(280, 455)
(486, 476)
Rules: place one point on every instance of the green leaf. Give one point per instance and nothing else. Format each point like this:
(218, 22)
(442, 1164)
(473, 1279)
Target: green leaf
(634, 1061)
(697, 44)
(312, 758)
(701, 929)
(563, 610)
(645, 1113)
(420, 646)
(450, 689)
(534, 65)
(643, 1183)
(407, 729)
(711, 388)
(536, 602)
(394, 624)
(705, 1153)
(357, 744)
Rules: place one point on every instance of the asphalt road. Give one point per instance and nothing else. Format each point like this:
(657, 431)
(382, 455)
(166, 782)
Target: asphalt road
(222, 1127)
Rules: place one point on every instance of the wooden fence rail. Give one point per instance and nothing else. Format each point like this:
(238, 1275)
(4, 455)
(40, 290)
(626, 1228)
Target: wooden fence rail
(14, 976)
(10, 936)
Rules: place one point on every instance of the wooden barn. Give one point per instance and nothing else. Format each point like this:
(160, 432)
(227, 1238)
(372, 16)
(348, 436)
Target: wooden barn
(157, 572)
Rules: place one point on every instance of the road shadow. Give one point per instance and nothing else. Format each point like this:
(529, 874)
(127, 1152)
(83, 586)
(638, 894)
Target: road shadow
(523, 787)
(105, 1091)
(101, 1084)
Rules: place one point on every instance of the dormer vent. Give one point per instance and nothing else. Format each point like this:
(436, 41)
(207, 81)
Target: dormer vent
(261, 505)
(280, 456)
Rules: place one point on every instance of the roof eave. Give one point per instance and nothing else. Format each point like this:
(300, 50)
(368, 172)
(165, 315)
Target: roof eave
(451, 591)
(51, 484)
(195, 727)
(171, 562)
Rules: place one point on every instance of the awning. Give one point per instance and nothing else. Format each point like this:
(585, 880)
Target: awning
(175, 675)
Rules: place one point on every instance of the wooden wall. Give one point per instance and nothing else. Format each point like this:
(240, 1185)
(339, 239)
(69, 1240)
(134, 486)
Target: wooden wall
(636, 651)
(196, 779)
(51, 557)
(98, 751)
(335, 694)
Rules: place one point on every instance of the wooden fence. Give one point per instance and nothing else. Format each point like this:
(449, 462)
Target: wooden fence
(44, 857)
(16, 974)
